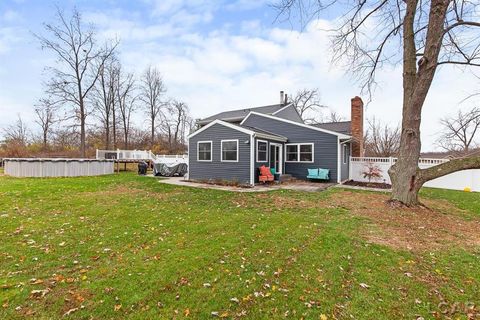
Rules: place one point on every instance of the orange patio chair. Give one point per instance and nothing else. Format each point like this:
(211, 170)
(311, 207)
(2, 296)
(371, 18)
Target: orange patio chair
(265, 174)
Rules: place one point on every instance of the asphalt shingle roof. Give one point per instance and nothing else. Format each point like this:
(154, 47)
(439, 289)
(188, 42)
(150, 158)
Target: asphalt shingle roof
(257, 130)
(344, 127)
(233, 114)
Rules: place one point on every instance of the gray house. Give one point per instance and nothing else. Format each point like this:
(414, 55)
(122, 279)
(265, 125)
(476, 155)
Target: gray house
(232, 145)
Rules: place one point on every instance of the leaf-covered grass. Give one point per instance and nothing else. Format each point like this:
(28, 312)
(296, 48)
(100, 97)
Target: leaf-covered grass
(469, 201)
(124, 246)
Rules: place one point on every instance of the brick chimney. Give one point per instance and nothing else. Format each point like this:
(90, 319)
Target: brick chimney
(357, 126)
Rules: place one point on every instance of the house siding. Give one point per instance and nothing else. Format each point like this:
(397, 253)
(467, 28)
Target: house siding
(290, 114)
(325, 145)
(217, 170)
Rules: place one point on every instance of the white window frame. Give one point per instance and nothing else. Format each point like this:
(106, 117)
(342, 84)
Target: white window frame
(266, 151)
(298, 152)
(198, 151)
(221, 150)
(344, 155)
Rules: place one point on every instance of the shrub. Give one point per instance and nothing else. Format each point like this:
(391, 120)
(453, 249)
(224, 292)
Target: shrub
(372, 171)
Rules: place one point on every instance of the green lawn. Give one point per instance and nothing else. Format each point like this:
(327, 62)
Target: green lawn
(124, 246)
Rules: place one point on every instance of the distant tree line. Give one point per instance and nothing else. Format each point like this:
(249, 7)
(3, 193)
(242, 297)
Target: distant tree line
(90, 101)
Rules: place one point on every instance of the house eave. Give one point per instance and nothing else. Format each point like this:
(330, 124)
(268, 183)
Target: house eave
(270, 137)
(223, 123)
(203, 122)
(339, 135)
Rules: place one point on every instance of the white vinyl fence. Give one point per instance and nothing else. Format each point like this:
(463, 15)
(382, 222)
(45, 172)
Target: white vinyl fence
(125, 154)
(454, 181)
(132, 155)
(171, 159)
(22, 167)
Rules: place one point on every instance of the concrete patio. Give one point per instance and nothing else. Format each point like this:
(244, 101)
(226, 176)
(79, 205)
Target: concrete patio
(293, 185)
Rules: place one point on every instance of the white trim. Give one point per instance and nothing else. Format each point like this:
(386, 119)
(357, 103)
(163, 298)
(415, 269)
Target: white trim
(294, 108)
(270, 137)
(252, 161)
(266, 151)
(236, 127)
(339, 159)
(188, 159)
(298, 152)
(203, 121)
(221, 150)
(340, 135)
(280, 154)
(283, 108)
(223, 123)
(211, 151)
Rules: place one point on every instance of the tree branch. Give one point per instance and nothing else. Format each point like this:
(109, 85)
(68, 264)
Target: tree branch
(449, 167)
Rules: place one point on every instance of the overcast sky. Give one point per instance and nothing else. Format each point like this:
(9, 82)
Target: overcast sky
(214, 55)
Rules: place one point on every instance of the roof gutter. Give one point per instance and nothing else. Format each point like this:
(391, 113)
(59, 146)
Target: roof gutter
(270, 137)
(223, 119)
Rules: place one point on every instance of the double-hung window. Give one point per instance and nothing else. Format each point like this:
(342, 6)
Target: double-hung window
(292, 152)
(229, 150)
(299, 152)
(204, 152)
(262, 151)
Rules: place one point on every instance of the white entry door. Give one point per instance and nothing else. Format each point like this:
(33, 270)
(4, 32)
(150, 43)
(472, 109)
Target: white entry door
(276, 157)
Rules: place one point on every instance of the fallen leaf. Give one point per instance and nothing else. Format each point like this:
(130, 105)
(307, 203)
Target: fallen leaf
(364, 285)
(36, 281)
(69, 312)
(39, 293)
(117, 307)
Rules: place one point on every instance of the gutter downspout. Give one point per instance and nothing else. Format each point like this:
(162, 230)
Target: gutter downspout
(252, 159)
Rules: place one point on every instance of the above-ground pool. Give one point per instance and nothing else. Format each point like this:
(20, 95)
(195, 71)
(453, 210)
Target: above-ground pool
(51, 167)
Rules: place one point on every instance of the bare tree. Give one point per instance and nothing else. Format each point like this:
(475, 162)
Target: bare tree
(423, 35)
(381, 140)
(176, 124)
(104, 98)
(79, 62)
(307, 102)
(126, 99)
(152, 90)
(17, 133)
(334, 116)
(46, 117)
(459, 132)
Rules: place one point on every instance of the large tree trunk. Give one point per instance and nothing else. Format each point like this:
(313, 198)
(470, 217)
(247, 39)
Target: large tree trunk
(107, 134)
(152, 134)
(82, 128)
(405, 174)
(45, 139)
(114, 124)
(125, 138)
